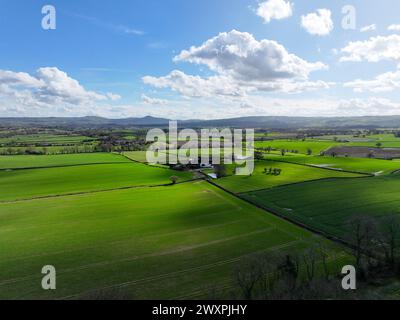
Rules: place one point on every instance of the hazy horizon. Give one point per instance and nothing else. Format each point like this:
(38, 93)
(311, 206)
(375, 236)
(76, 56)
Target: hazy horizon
(269, 58)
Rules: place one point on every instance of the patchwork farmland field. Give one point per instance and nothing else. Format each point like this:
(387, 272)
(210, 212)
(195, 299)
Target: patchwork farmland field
(25, 184)
(301, 146)
(371, 166)
(320, 144)
(25, 161)
(328, 205)
(139, 156)
(291, 173)
(45, 138)
(108, 221)
(177, 246)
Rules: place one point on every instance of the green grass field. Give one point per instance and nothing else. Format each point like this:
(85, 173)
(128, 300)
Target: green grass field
(301, 146)
(291, 173)
(157, 243)
(26, 161)
(328, 205)
(139, 156)
(320, 144)
(371, 166)
(386, 140)
(46, 138)
(26, 184)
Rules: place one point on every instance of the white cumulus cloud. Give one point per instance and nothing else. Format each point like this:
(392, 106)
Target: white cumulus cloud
(48, 89)
(374, 49)
(386, 82)
(241, 65)
(242, 57)
(318, 23)
(394, 27)
(275, 9)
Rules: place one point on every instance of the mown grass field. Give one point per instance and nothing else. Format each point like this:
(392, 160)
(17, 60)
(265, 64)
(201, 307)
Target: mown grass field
(26, 184)
(27, 161)
(328, 205)
(291, 173)
(165, 242)
(371, 166)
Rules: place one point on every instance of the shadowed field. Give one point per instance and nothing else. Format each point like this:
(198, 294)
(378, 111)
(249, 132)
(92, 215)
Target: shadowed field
(164, 242)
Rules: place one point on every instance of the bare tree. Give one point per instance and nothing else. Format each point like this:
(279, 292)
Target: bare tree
(389, 240)
(310, 259)
(363, 237)
(246, 276)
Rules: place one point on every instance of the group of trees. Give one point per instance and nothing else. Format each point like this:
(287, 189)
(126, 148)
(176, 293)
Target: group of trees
(313, 273)
(48, 151)
(287, 276)
(269, 149)
(375, 246)
(273, 171)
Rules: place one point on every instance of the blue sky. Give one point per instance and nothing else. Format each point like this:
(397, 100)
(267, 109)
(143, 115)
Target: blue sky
(116, 58)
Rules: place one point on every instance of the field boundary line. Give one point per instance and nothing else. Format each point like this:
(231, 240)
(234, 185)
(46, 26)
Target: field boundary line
(144, 163)
(292, 221)
(303, 182)
(98, 191)
(62, 166)
(324, 168)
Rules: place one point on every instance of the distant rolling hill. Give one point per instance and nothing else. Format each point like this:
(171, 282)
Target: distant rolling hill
(243, 122)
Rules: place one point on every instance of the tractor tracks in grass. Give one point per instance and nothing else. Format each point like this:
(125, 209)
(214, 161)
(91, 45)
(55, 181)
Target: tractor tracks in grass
(150, 255)
(149, 237)
(292, 221)
(184, 271)
(228, 284)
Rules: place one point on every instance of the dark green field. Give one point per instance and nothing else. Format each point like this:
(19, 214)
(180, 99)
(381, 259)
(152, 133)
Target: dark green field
(166, 242)
(328, 205)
